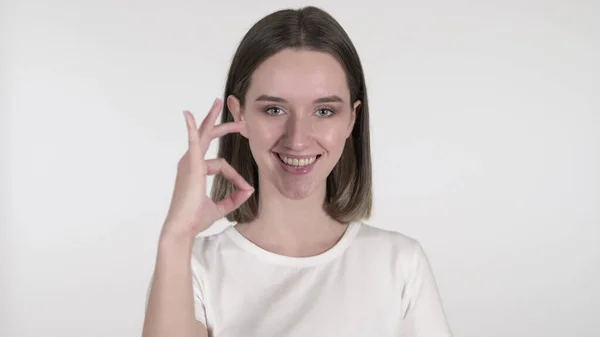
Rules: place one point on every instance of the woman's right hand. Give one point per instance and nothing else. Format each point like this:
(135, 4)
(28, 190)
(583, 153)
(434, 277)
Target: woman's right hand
(192, 210)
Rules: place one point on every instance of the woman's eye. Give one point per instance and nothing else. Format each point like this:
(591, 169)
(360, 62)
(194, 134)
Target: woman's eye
(274, 111)
(324, 112)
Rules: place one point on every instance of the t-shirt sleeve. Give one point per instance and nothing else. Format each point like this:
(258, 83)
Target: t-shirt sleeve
(423, 313)
(198, 291)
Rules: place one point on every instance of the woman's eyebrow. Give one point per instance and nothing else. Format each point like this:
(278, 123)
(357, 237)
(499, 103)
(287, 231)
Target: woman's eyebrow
(326, 99)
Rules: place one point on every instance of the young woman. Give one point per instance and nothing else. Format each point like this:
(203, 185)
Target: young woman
(294, 175)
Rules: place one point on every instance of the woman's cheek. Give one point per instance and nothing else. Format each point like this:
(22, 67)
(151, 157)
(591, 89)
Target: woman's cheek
(260, 132)
(332, 132)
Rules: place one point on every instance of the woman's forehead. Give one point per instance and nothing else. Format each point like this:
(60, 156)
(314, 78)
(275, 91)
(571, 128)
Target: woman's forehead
(302, 75)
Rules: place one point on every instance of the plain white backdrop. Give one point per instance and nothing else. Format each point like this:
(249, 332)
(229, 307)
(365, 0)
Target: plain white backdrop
(485, 139)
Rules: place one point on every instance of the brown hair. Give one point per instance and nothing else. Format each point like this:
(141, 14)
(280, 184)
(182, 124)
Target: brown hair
(349, 185)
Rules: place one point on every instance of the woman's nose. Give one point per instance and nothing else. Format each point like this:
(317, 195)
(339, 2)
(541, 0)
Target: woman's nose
(298, 133)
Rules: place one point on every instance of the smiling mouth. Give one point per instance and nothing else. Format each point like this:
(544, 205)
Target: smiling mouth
(297, 162)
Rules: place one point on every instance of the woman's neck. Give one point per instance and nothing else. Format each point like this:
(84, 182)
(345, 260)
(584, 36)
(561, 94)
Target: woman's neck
(292, 227)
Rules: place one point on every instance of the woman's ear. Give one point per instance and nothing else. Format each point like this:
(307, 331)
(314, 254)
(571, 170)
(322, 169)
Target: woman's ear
(353, 118)
(233, 104)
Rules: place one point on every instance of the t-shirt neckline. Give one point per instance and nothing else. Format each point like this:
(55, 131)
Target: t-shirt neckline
(328, 255)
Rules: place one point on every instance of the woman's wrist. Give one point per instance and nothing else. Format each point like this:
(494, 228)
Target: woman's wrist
(175, 242)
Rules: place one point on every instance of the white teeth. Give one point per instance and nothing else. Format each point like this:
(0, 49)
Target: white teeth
(297, 162)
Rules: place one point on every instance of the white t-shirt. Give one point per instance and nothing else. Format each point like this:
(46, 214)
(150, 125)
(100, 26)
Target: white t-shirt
(373, 282)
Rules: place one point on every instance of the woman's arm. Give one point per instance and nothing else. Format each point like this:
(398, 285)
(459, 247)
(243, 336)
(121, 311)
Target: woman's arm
(423, 311)
(170, 311)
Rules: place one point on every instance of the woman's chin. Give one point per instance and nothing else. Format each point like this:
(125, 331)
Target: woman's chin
(297, 191)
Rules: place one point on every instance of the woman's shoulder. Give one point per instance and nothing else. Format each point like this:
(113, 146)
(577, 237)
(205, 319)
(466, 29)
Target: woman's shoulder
(212, 237)
(382, 235)
(372, 239)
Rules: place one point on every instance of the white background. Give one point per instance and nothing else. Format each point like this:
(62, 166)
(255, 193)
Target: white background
(485, 132)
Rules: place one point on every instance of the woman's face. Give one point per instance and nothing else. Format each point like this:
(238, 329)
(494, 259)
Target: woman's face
(298, 116)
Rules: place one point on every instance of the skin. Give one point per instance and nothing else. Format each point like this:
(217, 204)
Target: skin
(291, 218)
(298, 104)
